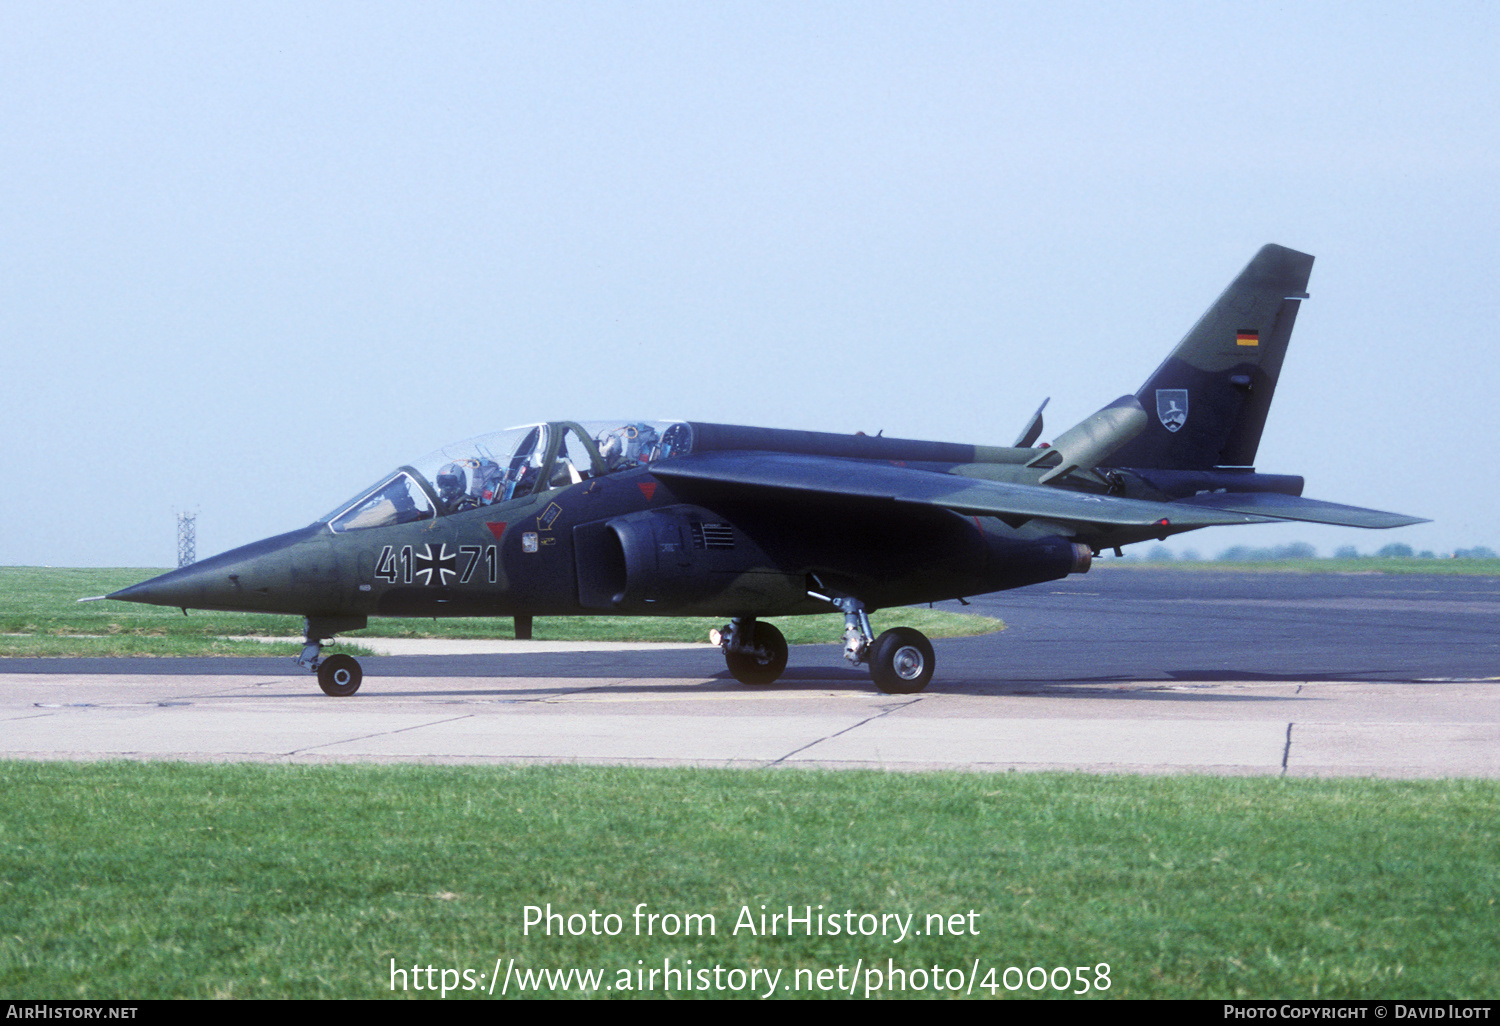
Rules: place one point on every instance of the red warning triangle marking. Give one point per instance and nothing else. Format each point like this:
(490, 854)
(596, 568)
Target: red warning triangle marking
(648, 489)
(497, 529)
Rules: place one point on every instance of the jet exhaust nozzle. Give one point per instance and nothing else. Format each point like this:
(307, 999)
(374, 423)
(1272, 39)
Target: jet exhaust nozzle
(1083, 558)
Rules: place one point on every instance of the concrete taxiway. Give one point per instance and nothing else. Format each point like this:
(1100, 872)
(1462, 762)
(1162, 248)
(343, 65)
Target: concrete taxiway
(1123, 670)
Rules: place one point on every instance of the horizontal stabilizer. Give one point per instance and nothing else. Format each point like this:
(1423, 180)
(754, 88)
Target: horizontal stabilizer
(1295, 507)
(831, 477)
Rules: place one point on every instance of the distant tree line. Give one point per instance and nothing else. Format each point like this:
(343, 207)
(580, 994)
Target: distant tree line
(1302, 550)
(1399, 550)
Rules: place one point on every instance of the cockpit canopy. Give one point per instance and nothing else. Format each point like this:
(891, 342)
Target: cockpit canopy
(510, 465)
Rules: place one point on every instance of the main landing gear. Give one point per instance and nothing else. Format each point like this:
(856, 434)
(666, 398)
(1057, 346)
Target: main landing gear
(754, 651)
(339, 675)
(901, 660)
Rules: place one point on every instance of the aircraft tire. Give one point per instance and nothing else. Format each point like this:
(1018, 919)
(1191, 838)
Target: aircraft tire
(339, 676)
(748, 668)
(902, 661)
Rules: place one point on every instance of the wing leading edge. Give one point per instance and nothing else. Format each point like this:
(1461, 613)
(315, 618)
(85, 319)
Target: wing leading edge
(842, 478)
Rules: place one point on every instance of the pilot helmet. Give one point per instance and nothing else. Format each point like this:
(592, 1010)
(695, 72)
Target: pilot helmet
(451, 482)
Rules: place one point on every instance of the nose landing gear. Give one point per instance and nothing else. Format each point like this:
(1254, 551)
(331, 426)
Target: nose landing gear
(339, 675)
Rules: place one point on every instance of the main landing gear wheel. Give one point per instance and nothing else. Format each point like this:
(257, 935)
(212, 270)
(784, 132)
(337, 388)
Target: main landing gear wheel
(901, 661)
(339, 676)
(763, 665)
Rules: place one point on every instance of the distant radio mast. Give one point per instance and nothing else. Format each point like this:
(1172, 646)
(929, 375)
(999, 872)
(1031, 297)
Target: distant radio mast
(187, 539)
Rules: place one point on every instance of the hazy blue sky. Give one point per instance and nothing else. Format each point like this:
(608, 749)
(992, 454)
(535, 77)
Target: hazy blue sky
(253, 256)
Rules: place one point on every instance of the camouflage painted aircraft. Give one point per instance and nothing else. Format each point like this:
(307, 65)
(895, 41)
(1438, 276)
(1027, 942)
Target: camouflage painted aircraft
(673, 518)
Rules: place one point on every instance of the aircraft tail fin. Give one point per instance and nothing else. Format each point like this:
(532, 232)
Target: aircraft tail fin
(1207, 402)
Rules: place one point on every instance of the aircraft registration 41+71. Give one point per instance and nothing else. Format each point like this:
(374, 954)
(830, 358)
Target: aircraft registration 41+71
(679, 518)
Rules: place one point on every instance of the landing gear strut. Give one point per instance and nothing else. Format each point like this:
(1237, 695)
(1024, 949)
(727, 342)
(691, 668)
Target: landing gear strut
(339, 675)
(754, 651)
(901, 660)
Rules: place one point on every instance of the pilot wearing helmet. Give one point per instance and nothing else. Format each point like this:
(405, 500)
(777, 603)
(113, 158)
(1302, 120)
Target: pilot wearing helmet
(452, 486)
(627, 446)
(467, 484)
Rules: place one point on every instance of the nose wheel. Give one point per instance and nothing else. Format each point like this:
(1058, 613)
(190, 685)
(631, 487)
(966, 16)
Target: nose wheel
(339, 675)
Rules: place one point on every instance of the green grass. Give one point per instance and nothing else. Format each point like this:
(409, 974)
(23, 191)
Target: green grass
(159, 880)
(1365, 565)
(40, 616)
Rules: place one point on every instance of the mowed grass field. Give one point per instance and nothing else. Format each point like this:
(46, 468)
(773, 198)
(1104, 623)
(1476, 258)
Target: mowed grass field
(40, 615)
(162, 880)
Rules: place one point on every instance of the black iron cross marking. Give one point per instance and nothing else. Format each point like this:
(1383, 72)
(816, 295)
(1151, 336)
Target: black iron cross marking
(440, 565)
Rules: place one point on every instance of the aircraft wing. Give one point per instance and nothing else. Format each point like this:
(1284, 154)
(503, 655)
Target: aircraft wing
(830, 476)
(1295, 507)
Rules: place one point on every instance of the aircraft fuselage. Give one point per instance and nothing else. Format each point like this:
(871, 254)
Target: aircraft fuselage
(633, 542)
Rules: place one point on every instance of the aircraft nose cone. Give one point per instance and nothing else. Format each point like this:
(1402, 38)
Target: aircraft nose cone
(185, 586)
(252, 577)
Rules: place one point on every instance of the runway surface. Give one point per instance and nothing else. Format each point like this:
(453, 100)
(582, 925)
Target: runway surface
(1123, 669)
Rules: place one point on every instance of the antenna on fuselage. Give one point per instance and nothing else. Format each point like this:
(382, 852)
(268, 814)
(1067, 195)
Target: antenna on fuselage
(1033, 429)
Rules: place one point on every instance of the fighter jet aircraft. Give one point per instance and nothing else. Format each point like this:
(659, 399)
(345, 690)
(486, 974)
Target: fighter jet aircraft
(678, 518)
